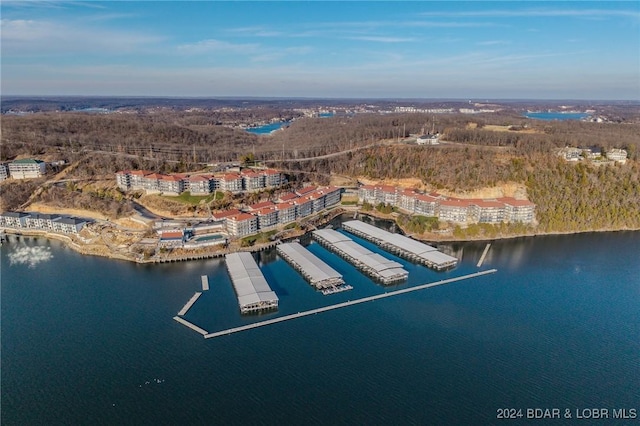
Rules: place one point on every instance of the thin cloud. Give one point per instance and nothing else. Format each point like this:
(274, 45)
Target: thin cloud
(214, 45)
(537, 13)
(32, 37)
(383, 39)
(493, 43)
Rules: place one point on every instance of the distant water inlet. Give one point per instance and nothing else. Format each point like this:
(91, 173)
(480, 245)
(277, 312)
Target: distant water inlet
(548, 116)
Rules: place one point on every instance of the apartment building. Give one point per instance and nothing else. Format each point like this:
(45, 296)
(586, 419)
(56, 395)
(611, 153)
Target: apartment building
(27, 168)
(242, 224)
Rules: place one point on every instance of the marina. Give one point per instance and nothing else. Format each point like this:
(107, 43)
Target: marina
(189, 304)
(373, 264)
(205, 282)
(401, 245)
(252, 289)
(345, 304)
(315, 271)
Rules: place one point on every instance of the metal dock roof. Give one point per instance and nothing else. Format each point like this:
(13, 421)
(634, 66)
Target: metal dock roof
(424, 252)
(251, 287)
(385, 269)
(315, 270)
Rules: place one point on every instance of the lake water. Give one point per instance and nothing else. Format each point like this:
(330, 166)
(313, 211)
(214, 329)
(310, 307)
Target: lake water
(548, 116)
(267, 128)
(87, 340)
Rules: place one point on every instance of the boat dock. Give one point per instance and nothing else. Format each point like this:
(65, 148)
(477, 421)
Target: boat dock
(345, 304)
(205, 282)
(252, 289)
(315, 271)
(191, 325)
(190, 303)
(373, 264)
(338, 289)
(403, 246)
(484, 254)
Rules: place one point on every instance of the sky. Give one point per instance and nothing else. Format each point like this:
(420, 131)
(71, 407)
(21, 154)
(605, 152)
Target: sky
(362, 49)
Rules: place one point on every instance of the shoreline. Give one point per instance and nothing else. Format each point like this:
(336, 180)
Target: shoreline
(104, 250)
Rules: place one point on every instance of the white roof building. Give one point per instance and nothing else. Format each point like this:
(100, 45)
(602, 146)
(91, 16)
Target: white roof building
(252, 289)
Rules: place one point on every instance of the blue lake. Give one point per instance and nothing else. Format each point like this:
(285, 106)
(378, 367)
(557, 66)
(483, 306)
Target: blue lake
(548, 116)
(268, 128)
(87, 340)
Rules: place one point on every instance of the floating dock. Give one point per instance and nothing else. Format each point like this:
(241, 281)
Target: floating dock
(484, 254)
(205, 282)
(373, 264)
(191, 326)
(401, 245)
(345, 304)
(315, 271)
(252, 289)
(189, 304)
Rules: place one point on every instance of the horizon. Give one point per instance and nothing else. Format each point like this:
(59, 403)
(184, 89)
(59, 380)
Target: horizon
(404, 51)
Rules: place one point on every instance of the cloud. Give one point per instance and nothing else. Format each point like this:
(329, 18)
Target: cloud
(537, 13)
(41, 37)
(214, 45)
(493, 42)
(383, 39)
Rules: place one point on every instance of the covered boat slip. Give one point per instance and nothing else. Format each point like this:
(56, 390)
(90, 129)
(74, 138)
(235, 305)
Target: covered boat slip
(385, 270)
(252, 289)
(399, 244)
(314, 270)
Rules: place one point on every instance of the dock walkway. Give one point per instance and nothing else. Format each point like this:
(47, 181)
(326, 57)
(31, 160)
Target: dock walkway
(189, 304)
(205, 282)
(484, 254)
(191, 325)
(345, 304)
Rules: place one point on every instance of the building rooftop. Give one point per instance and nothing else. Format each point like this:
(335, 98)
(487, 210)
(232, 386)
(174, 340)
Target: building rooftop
(315, 269)
(287, 197)
(249, 282)
(27, 161)
(240, 217)
(261, 205)
(425, 252)
(225, 213)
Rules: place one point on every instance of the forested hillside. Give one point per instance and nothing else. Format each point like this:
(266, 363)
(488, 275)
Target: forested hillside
(569, 196)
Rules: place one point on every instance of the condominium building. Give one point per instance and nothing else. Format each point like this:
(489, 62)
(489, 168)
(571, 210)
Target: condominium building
(231, 182)
(171, 184)
(616, 154)
(454, 210)
(426, 205)
(4, 171)
(27, 168)
(200, 184)
(242, 224)
(252, 181)
(267, 216)
(286, 212)
(518, 210)
(42, 221)
(272, 177)
(123, 180)
(486, 211)
(14, 219)
(69, 225)
(304, 206)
